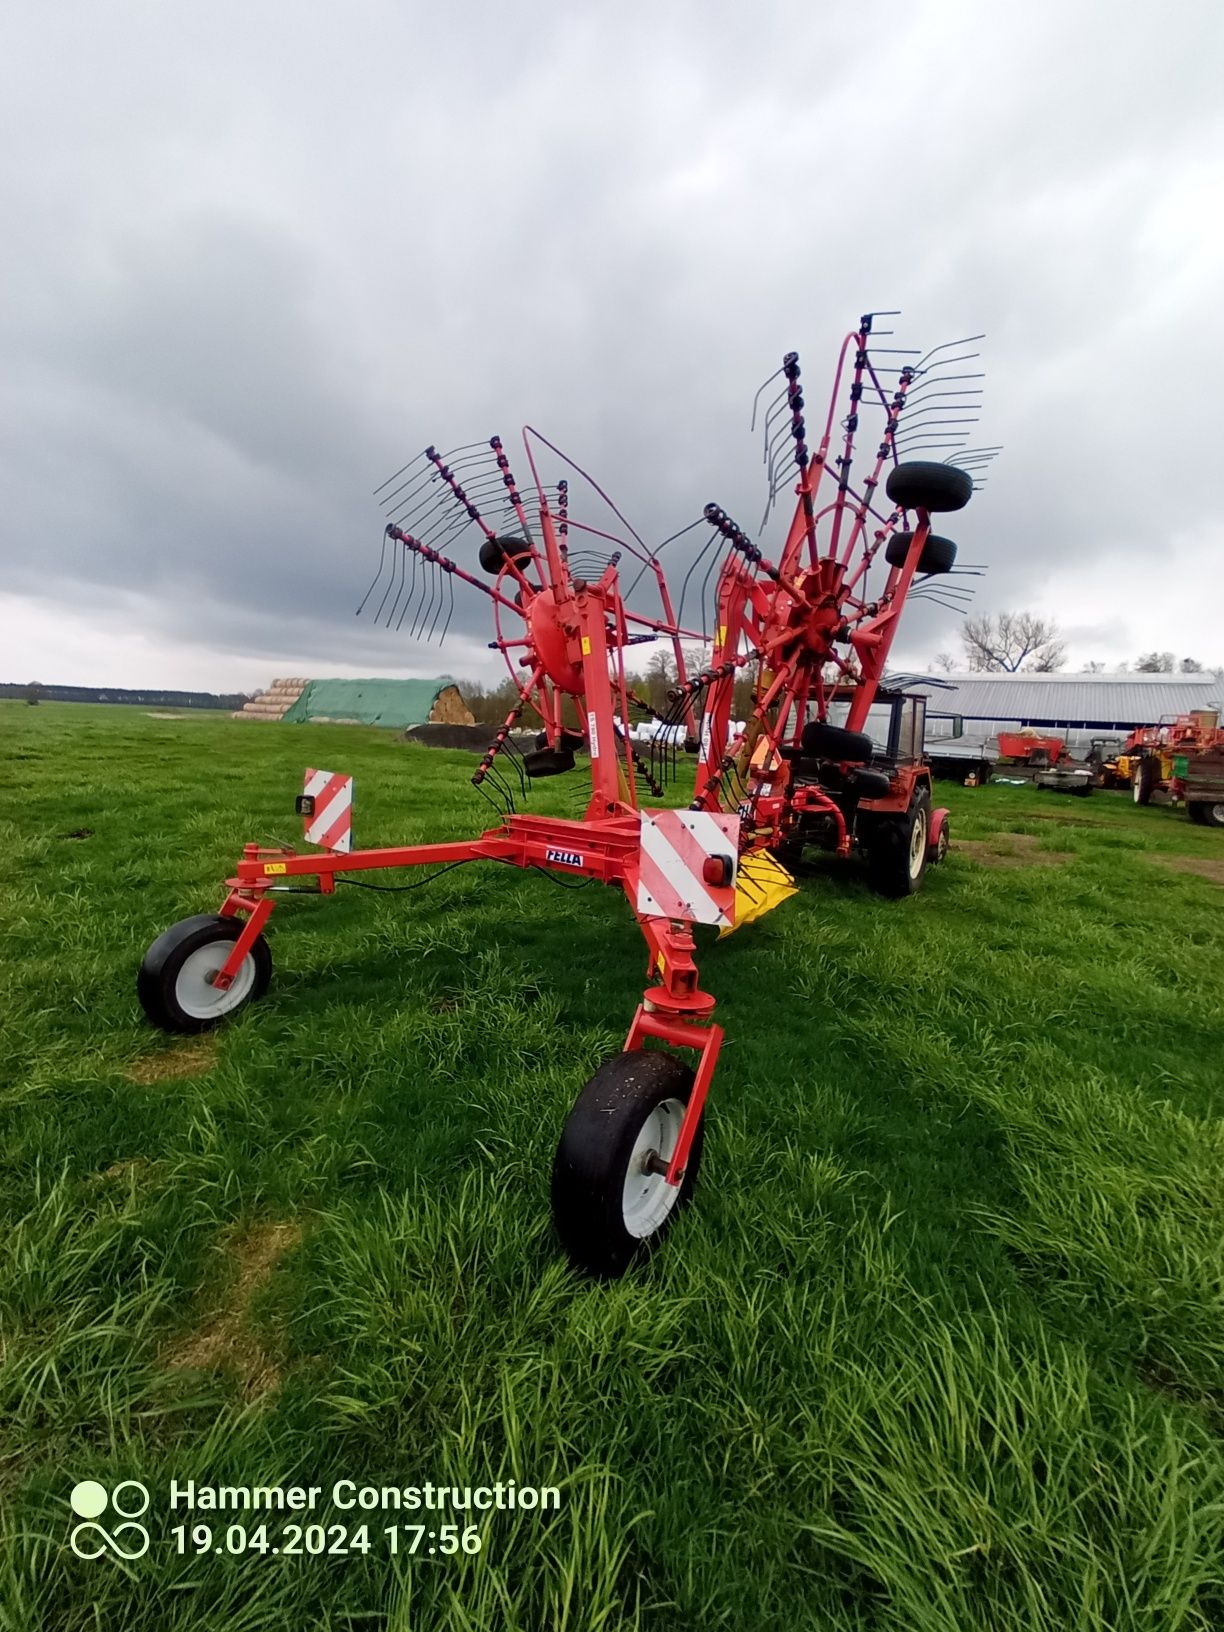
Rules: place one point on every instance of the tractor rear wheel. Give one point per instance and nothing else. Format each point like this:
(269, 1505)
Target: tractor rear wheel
(897, 849)
(1143, 780)
(610, 1202)
(175, 983)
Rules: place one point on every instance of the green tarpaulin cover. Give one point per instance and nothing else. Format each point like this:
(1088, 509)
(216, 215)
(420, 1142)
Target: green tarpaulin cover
(394, 703)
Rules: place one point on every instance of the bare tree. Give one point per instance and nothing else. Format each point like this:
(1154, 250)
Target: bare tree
(1013, 641)
(1095, 667)
(944, 662)
(1155, 663)
(1191, 665)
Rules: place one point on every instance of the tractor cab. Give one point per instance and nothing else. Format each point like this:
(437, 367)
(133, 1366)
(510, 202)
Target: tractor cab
(867, 792)
(896, 724)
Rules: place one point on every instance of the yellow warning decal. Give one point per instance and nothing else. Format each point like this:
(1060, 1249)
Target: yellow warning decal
(661, 966)
(722, 634)
(586, 645)
(275, 867)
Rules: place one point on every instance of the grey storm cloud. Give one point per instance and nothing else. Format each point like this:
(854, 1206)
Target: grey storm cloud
(257, 256)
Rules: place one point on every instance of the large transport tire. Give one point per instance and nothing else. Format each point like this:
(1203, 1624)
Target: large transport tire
(938, 554)
(898, 849)
(608, 1210)
(821, 741)
(173, 983)
(1143, 780)
(1205, 813)
(924, 484)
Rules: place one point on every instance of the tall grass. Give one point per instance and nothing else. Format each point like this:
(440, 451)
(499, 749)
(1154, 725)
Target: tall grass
(938, 1345)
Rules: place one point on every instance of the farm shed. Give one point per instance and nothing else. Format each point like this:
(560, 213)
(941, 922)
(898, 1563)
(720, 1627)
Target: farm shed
(1073, 702)
(396, 704)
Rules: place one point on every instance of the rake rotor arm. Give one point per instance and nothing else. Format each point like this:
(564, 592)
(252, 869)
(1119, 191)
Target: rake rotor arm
(872, 638)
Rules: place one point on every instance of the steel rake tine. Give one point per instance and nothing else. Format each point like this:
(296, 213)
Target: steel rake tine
(427, 594)
(395, 564)
(450, 610)
(444, 578)
(764, 386)
(382, 561)
(411, 557)
(399, 472)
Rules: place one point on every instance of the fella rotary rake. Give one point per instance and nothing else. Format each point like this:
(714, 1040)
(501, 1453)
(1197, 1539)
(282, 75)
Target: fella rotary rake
(808, 631)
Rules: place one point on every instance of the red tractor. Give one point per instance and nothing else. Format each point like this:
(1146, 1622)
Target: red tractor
(812, 629)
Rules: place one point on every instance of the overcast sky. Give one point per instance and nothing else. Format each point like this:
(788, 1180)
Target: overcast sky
(257, 255)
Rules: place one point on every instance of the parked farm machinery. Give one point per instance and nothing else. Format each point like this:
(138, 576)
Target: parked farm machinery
(811, 627)
(1182, 757)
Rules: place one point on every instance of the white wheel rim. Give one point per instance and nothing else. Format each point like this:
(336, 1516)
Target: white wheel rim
(1217, 815)
(647, 1198)
(1135, 790)
(918, 843)
(194, 992)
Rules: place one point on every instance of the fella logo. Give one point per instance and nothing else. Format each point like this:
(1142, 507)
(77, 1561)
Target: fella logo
(564, 858)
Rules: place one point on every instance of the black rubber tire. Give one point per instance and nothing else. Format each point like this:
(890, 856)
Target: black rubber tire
(889, 867)
(568, 741)
(1196, 810)
(821, 741)
(1206, 812)
(548, 762)
(939, 850)
(868, 784)
(1143, 780)
(592, 1160)
(495, 552)
(157, 980)
(938, 554)
(924, 484)
(1084, 791)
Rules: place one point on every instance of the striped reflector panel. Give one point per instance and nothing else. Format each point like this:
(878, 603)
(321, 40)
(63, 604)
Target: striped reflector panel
(332, 823)
(675, 846)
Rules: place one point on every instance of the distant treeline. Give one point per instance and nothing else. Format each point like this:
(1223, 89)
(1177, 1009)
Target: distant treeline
(117, 694)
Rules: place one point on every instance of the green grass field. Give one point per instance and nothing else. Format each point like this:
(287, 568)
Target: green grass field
(939, 1345)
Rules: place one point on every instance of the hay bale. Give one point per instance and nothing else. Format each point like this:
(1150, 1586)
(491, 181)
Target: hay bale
(450, 709)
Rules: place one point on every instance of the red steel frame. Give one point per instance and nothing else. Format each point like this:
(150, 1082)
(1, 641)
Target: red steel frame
(787, 621)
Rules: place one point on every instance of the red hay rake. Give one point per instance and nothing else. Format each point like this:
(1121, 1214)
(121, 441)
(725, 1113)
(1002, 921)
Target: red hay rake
(810, 630)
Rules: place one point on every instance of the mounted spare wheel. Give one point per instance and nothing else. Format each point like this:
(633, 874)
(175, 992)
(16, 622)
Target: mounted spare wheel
(495, 553)
(924, 484)
(938, 554)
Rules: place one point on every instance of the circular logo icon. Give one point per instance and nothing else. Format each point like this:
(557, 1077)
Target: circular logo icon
(88, 1499)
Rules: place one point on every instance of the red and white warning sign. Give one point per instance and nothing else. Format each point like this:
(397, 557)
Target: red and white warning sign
(327, 808)
(687, 866)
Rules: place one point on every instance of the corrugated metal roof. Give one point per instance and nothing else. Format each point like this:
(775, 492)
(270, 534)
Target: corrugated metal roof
(1053, 699)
